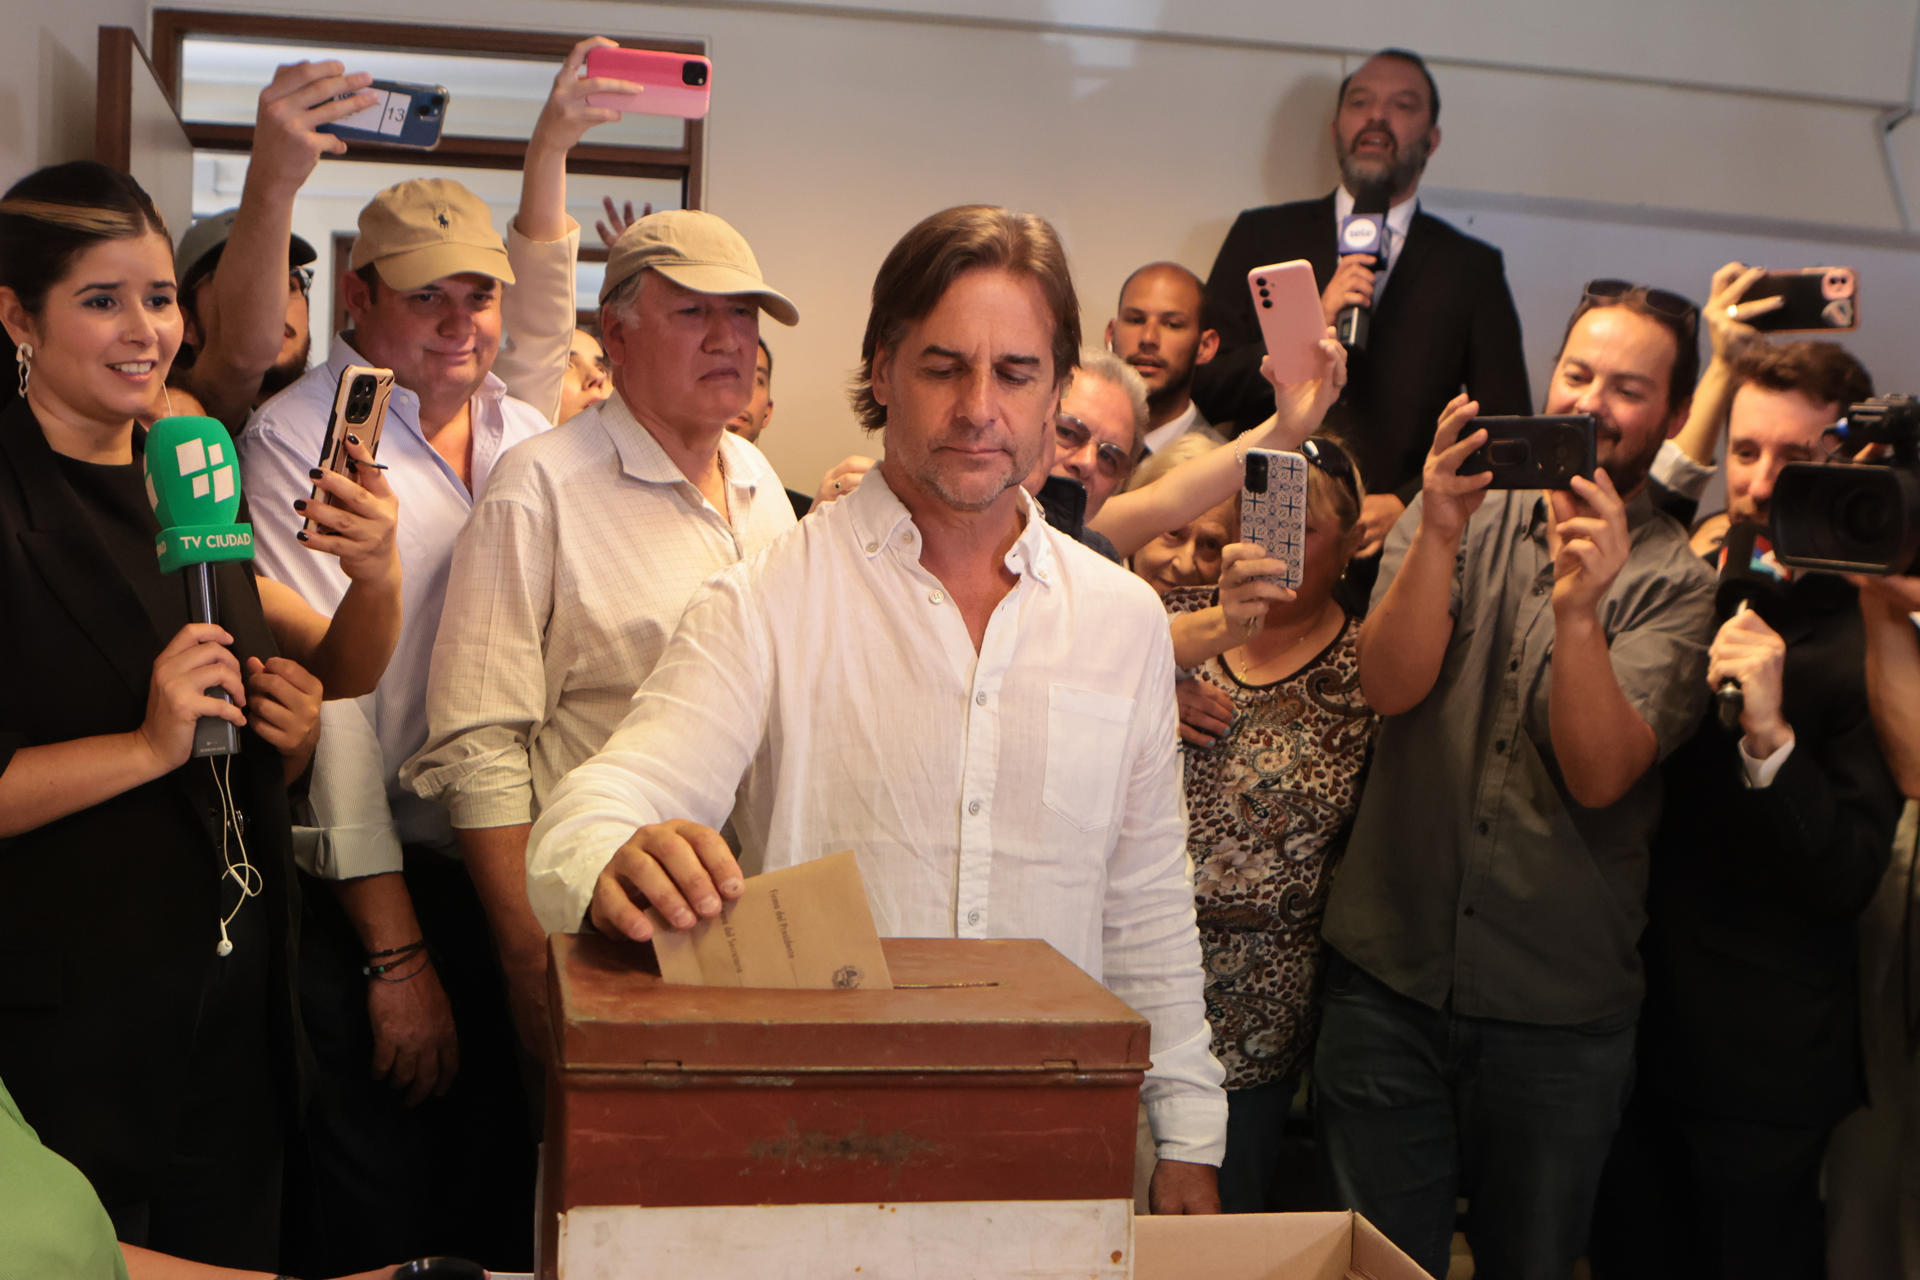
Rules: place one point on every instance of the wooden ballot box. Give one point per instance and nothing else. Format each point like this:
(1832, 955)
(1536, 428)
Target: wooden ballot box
(994, 1070)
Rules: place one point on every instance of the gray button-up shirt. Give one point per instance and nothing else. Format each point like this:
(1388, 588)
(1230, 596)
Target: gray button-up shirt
(1472, 876)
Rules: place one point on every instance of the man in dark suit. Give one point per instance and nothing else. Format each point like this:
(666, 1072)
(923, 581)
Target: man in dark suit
(1442, 315)
(1772, 841)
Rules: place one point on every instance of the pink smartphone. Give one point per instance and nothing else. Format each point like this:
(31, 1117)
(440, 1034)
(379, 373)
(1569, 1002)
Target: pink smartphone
(671, 84)
(1288, 305)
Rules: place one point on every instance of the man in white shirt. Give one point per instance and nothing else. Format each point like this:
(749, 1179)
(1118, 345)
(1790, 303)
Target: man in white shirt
(927, 674)
(1160, 330)
(424, 296)
(575, 567)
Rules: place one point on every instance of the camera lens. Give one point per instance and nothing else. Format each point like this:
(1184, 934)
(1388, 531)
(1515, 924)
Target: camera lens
(363, 385)
(693, 73)
(1864, 516)
(1257, 474)
(430, 107)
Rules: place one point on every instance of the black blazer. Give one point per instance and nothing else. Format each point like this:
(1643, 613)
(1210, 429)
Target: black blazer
(1751, 948)
(109, 917)
(1445, 320)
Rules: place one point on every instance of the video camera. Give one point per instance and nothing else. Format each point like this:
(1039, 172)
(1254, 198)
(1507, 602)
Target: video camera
(1855, 517)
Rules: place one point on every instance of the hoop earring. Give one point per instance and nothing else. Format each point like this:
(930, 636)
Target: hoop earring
(23, 356)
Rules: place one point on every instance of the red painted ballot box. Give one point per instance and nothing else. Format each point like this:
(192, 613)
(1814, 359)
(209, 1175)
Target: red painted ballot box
(994, 1070)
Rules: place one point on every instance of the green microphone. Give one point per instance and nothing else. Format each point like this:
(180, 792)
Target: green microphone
(193, 482)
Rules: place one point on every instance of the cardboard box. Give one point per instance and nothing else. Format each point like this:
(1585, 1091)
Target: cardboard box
(995, 1070)
(973, 1240)
(1267, 1246)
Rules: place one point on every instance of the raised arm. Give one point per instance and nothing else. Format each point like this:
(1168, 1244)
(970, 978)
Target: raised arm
(1404, 639)
(242, 331)
(1136, 517)
(543, 241)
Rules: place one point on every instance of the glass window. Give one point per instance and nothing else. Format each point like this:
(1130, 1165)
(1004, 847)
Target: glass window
(488, 97)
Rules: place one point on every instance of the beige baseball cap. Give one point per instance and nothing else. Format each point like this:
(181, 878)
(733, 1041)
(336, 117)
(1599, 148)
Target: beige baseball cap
(698, 251)
(419, 231)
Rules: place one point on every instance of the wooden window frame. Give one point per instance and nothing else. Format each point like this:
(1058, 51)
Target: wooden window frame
(171, 27)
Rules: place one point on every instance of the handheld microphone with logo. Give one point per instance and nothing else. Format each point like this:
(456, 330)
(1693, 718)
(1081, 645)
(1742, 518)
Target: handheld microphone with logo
(1748, 572)
(1363, 234)
(193, 483)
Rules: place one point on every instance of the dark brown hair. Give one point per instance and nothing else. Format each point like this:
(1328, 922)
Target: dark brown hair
(52, 216)
(1419, 64)
(1823, 372)
(928, 259)
(1684, 329)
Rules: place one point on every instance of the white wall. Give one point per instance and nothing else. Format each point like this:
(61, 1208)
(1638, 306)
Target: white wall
(1578, 136)
(47, 79)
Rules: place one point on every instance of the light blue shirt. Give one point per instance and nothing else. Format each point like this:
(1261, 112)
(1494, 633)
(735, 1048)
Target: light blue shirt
(361, 811)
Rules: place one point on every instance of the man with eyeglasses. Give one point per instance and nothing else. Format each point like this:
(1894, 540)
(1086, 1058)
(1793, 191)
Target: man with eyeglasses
(1097, 435)
(1532, 656)
(1775, 835)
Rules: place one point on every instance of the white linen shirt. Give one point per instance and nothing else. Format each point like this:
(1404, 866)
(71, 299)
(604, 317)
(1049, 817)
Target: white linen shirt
(362, 812)
(1031, 790)
(567, 584)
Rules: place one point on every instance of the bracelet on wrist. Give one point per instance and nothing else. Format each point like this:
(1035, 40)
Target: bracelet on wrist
(415, 945)
(381, 963)
(379, 972)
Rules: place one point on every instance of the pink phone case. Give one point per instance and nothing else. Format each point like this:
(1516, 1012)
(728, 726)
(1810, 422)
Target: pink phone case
(1288, 304)
(674, 84)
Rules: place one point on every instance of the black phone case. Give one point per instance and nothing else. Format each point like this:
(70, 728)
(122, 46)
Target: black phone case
(1065, 502)
(1817, 299)
(1535, 453)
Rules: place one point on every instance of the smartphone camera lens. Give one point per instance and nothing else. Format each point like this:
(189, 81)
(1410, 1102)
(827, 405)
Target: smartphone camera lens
(693, 73)
(430, 108)
(1256, 475)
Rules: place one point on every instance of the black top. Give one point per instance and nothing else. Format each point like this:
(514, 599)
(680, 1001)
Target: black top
(1445, 320)
(109, 917)
(1751, 945)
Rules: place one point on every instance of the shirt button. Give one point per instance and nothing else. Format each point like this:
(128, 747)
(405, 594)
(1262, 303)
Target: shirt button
(1483, 828)
(1468, 912)
(1540, 590)
(935, 597)
(979, 699)
(907, 537)
(973, 807)
(1500, 747)
(1514, 665)
(872, 547)
(973, 916)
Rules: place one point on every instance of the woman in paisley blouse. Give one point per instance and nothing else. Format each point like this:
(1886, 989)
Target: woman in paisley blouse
(1269, 803)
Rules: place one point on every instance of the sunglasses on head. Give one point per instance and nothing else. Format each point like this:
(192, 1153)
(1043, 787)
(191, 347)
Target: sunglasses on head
(1659, 301)
(1333, 460)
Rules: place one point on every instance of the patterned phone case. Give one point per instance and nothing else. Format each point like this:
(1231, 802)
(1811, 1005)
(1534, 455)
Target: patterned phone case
(1275, 514)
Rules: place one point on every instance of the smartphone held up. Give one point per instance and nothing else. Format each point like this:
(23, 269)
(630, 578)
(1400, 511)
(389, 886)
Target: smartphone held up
(665, 84)
(359, 410)
(404, 115)
(1535, 453)
(1273, 509)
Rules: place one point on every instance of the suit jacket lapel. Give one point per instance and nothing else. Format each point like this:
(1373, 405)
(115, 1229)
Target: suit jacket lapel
(1408, 266)
(72, 560)
(1322, 235)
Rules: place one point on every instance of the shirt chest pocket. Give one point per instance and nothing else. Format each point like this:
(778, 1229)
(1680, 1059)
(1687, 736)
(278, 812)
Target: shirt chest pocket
(1086, 752)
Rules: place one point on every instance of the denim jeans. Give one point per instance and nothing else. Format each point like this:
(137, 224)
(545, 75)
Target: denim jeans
(1419, 1106)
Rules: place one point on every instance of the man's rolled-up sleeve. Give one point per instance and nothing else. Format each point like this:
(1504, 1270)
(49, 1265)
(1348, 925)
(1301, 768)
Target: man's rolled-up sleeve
(712, 687)
(1659, 656)
(345, 829)
(1151, 943)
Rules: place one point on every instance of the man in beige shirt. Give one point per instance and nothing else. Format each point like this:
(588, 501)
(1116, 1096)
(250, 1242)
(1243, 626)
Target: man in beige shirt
(576, 565)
